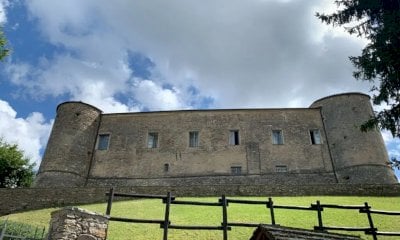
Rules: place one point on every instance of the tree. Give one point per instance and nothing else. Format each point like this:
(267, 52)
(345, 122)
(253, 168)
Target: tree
(379, 22)
(15, 169)
(4, 51)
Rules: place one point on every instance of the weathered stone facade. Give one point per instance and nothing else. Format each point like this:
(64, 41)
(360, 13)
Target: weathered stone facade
(74, 223)
(320, 144)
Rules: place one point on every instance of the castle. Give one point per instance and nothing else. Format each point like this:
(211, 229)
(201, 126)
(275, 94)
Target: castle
(321, 144)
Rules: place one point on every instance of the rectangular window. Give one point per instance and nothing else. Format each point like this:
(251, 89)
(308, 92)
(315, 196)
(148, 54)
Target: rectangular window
(315, 136)
(152, 140)
(166, 167)
(193, 139)
(234, 137)
(103, 141)
(277, 137)
(236, 170)
(281, 168)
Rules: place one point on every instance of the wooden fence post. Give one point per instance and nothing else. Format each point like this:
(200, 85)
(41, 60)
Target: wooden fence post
(270, 204)
(370, 221)
(166, 219)
(319, 214)
(110, 200)
(224, 217)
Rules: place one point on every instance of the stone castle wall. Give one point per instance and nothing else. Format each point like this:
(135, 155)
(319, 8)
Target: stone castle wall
(70, 147)
(358, 157)
(254, 154)
(341, 154)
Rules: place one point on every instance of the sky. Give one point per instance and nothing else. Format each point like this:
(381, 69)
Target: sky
(124, 56)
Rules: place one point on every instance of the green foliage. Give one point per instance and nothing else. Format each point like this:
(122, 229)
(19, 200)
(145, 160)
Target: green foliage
(379, 22)
(4, 51)
(395, 163)
(22, 230)
(15, 169)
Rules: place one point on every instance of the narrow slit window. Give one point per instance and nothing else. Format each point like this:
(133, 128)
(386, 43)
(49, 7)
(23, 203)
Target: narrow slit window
(166, 167)
(277, 137)
(194, 139)
(315, 136)
(152, 140)
(103, 141)
(234, 137)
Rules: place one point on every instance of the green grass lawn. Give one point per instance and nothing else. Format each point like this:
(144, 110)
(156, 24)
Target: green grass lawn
(212, 216)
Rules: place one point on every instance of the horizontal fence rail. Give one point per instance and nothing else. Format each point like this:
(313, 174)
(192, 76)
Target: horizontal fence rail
(226, 226)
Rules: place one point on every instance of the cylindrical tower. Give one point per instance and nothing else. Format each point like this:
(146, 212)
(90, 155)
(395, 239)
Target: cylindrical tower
(358, 157)
(70, 147)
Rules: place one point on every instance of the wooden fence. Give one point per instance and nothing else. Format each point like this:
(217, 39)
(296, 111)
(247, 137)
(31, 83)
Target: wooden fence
(226, 226)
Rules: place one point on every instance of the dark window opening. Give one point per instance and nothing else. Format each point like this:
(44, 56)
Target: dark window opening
(166, 167)
(152, 140)
(315, 136)
(193, 139)
(103, 141)
(277, 137)
(236, 170)
(234, 137)
(281, 168)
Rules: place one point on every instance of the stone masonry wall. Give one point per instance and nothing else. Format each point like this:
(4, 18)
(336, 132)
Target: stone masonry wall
(74, 223)
(18, 200)
(129, 156)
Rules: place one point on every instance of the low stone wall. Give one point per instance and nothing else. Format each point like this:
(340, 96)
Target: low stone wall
(256, 179)
(74, 223)
(17, 200)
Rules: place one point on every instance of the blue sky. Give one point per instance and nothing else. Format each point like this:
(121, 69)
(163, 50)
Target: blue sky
(162, 55)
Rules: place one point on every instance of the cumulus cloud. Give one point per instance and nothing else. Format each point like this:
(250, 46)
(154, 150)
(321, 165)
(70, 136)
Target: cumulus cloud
(155, 97)
(241, 54)
(3, 5)
(234, 54)
(30, 133)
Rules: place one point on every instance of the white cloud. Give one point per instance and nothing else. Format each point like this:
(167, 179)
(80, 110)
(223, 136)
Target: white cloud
(3, 13)
(29, 133)
(243, 54)
(392, 144)
(155, 97)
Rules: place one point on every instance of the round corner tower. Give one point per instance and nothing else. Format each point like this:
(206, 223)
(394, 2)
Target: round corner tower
(69, 150)
(358, 157)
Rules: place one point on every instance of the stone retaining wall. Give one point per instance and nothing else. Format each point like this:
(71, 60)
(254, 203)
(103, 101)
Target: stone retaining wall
(74, 223)
(17, 200)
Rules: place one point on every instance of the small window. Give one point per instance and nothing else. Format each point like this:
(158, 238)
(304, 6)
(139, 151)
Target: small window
(103, 141)
(152, 140)
(281, 168)
(315, 136)
(234, 137)
(193, 139)
(166, 167)
(236, 170)
(277, 137)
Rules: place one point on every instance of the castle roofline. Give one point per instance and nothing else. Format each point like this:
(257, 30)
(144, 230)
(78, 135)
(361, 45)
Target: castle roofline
(211, 110)
(338, 95)
(79, 102)
(216, 110)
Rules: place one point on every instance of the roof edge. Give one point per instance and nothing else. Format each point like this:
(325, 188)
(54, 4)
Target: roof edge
(79, 102)
(338, 95)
